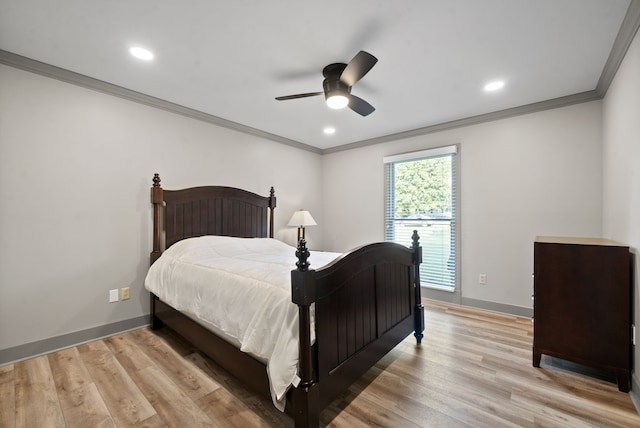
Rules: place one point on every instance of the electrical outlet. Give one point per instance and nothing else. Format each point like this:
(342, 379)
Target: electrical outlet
(482, 279)
(113, 295)
(124, 293)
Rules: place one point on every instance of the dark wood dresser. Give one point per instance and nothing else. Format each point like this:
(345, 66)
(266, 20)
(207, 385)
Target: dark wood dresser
(582, 304)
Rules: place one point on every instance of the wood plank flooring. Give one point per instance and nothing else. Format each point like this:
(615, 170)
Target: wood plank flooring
(472, 370)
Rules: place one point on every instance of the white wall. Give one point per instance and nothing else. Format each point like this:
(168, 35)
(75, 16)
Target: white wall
(621, 176)
(75, 171)
(76, 166)
(537, 174)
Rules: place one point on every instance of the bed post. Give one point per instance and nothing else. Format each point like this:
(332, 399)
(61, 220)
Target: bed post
(272, 206)
(306, 396)
(157, 200)
(419, 309)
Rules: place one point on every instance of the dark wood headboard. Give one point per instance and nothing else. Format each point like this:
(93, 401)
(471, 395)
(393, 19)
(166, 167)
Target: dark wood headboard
(208, 210)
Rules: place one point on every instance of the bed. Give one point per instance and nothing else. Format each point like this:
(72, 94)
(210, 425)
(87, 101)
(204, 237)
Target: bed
(362, 304)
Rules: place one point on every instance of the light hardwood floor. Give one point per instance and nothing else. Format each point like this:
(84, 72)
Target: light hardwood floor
(473, 369)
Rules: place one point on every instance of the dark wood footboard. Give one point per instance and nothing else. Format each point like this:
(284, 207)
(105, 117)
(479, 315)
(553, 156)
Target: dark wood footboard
(366, 302)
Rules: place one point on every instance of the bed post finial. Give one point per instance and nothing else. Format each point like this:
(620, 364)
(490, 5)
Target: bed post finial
(415, 240)
(156, 180)
(302, 253)
(418, 320)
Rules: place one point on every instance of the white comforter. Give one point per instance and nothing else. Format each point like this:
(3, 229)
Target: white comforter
(240, 288)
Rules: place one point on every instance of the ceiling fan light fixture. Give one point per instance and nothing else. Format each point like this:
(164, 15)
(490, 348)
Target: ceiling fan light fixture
(337, 101)
(336, 92)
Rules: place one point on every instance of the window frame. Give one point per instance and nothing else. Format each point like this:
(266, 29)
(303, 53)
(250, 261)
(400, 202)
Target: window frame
(450, 150)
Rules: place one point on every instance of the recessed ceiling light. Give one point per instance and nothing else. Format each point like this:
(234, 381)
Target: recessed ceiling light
(329, 130)
(141, 53)
(494, 86)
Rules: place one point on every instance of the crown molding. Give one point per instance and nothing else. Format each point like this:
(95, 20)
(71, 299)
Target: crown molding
(626, 34)
(568, 100)
(48, 70)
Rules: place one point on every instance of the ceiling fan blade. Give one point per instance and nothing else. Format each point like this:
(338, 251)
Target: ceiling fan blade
(358, 67)
(293, 97)
(360, 106)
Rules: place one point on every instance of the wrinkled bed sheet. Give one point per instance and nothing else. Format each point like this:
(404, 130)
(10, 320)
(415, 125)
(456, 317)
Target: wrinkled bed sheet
(240, 288)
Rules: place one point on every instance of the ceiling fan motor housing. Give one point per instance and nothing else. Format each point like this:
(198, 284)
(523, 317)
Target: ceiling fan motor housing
(335, 87)
(332, 84)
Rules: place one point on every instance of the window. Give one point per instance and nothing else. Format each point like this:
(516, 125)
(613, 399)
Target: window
(420, 194)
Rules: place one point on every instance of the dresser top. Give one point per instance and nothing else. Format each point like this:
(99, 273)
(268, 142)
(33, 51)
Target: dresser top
(577, 241)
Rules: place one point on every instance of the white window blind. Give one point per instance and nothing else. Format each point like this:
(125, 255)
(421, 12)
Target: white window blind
(420, 194)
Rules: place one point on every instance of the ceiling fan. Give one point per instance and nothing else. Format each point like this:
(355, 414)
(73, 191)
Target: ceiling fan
(339, 79)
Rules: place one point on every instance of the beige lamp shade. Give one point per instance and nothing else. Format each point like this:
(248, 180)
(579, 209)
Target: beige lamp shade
(301, 219)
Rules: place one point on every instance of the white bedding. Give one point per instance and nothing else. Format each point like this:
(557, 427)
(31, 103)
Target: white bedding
(241, 288)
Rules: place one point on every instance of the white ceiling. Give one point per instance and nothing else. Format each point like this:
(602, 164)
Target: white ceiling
(229, 59)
